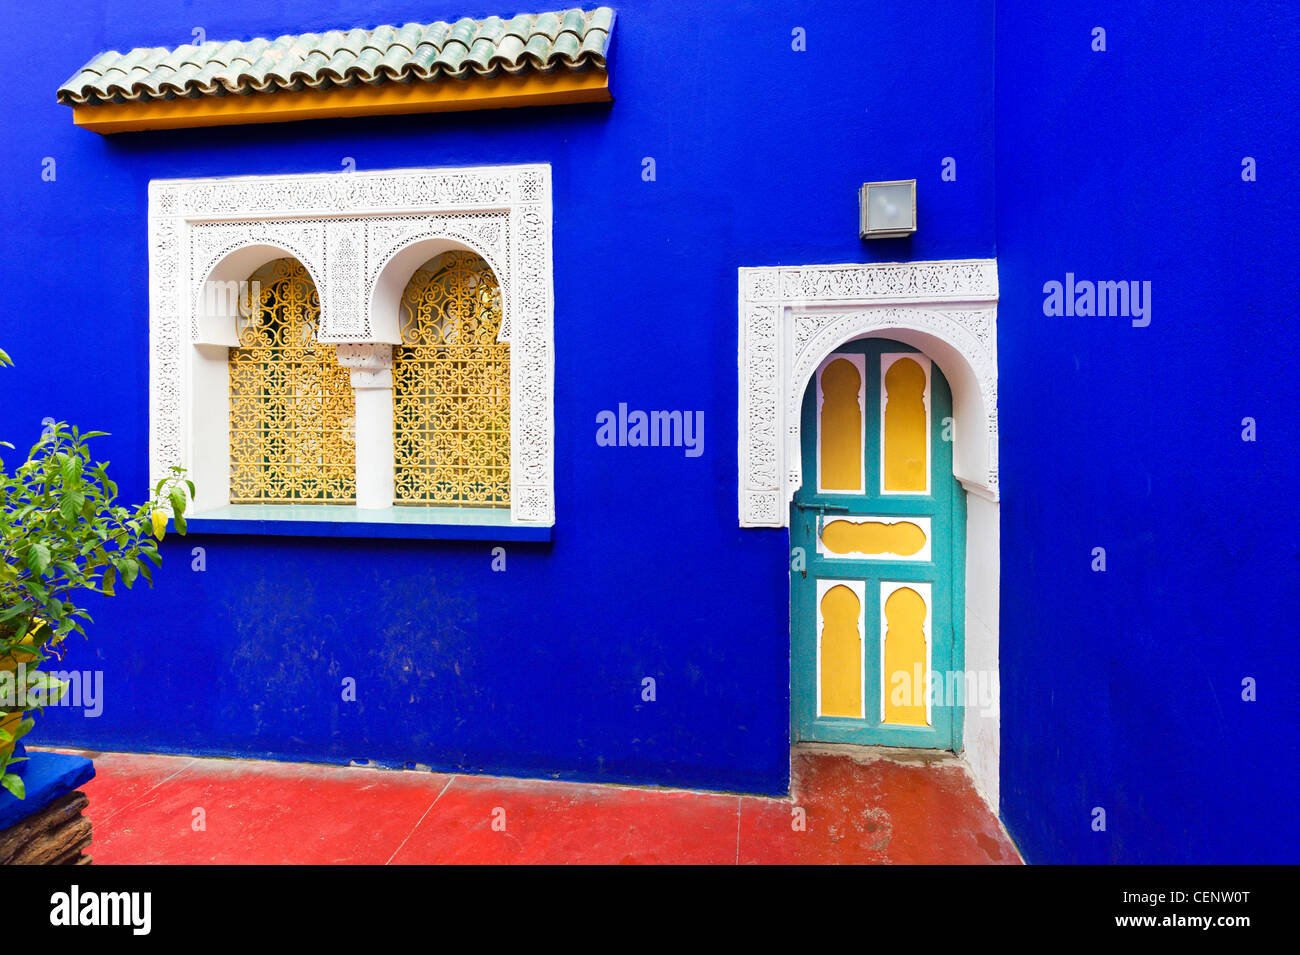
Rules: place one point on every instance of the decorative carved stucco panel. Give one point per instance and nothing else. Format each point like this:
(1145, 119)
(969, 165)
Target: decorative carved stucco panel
(791, 318)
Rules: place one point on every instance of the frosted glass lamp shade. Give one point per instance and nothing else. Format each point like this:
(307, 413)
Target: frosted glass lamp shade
(887, 209)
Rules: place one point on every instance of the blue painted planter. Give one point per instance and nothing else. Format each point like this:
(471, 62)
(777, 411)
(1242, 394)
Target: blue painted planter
(48, 777)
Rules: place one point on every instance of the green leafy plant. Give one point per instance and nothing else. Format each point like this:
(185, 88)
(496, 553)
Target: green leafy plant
(63, 532)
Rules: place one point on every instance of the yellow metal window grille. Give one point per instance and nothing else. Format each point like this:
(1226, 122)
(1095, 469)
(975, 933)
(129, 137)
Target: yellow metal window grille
(292, 414)
(451, 388)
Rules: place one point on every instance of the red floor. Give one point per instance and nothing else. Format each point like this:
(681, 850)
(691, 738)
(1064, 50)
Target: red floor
(858, 809)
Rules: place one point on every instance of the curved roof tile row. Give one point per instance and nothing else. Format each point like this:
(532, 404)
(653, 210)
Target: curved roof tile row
(569, 39)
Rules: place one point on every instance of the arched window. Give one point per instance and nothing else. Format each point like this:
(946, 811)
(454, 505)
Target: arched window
(291, 403)
(451, 387)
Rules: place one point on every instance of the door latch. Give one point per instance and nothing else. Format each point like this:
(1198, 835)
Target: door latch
(821, 510)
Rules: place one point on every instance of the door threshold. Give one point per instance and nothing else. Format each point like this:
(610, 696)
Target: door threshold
(869, 754)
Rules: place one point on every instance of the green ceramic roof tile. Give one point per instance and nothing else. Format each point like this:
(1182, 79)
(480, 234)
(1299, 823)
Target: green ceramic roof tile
(567, 39)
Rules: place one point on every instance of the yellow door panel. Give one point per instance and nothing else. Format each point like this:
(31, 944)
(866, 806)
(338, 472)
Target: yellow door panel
(841, 427)
(906, 467)
(841, 653)
(906, 662)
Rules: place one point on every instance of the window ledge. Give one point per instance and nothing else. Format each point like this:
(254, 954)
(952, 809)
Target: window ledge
(333, 520)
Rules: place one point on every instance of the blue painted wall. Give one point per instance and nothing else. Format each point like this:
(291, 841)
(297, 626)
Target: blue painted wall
(537, 670)
(1122, 689)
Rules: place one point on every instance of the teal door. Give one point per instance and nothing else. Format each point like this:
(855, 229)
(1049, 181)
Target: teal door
(877, 537)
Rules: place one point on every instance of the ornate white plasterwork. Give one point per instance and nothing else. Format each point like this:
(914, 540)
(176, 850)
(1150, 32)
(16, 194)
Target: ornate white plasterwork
(369, 366)
(792, 318)
(347, 228)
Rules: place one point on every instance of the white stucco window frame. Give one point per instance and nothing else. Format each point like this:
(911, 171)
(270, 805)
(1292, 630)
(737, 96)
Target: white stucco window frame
(361, 236)
(791, 319)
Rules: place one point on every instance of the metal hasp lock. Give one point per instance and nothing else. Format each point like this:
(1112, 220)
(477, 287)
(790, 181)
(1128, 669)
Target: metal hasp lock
(821, 510)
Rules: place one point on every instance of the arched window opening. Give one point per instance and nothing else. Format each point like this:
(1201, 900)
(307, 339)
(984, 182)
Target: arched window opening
(292, 438)
(451, 387)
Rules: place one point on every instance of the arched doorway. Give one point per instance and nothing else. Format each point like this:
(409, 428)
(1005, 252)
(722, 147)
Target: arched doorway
(791, 319)
(877, 531)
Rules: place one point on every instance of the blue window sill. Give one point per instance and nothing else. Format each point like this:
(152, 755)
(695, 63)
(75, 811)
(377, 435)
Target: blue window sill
(334, 520)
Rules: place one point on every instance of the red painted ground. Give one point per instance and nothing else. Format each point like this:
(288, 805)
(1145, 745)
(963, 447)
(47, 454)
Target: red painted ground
(857, 810)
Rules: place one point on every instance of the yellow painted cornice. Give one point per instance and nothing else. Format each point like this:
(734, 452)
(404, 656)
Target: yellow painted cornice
(387, 99)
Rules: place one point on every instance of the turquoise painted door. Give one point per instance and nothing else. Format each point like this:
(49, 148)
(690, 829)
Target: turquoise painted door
(877, 537)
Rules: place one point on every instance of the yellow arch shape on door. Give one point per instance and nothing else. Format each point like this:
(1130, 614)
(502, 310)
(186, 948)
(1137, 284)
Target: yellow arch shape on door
(905, 460)
(841, 427)
(905, 658)
(841, 653)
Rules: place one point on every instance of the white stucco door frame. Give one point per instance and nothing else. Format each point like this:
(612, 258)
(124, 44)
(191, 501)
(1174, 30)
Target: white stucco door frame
(791, 318)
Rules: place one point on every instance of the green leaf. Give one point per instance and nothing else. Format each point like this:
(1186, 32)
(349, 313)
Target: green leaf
(177, 498)
(71, 505)
(71, 469)
(14, 783)
(37, 557)
(54, 690)
(110, 575)
(15, 610)
(129, 569)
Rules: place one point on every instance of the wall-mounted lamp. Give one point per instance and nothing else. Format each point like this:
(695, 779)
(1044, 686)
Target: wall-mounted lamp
(887, 210)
